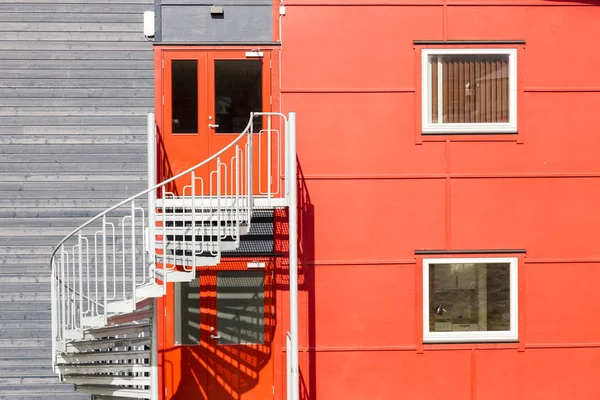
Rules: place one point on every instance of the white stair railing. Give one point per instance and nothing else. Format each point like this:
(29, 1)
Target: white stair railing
(127, 252)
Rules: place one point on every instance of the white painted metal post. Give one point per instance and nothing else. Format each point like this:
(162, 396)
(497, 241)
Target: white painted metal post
(133, 260)
(80, 262)
(54, 310)
(105, 277)
(293, 243)
(152, 250)
(63, 296)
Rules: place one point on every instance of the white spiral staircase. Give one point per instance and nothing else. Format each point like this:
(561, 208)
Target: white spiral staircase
(107, 273)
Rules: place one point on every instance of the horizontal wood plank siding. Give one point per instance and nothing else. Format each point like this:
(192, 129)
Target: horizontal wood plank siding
(76, 83)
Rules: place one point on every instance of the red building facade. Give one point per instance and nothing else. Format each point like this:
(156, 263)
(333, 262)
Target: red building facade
(415, 183)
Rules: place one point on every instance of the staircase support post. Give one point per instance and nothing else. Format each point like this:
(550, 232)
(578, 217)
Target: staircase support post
(293, 244)
(151, 252)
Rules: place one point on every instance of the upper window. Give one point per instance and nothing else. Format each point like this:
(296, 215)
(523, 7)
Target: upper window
(469, 91)
(470, 300)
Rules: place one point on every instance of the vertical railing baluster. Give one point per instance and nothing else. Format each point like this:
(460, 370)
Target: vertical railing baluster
(152, 165)
(73, 291)
(218, 236)
(87, 267)
(97, 298)
(269, 154)
(124, 255)
(237, 191)
(193, 200)
(133, 260)
(249, 170)
(53, 311)
(144, 244)
(164, 241)
(225, 193)
(104, 280)
(114, 258)
(64, 293)
(80, 260)
(287, 182)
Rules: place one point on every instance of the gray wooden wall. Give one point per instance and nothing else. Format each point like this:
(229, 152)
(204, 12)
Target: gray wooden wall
(76, 82)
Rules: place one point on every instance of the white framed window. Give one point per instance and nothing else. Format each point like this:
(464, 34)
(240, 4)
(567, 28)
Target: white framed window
(470, 300)
(469, 91)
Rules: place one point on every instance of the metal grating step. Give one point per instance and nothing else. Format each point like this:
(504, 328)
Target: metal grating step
(102, 368)
(102, 356)
(205, 260)
(102, 344)
(117, 330)
(107, 380)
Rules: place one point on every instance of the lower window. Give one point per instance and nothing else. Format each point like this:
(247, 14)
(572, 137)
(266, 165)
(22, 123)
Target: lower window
(470, 300)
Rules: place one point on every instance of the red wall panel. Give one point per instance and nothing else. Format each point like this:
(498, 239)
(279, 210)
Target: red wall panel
(538, 374)
(547, 217)
(561, 305)
(558, 138)
(354, 47)
(387, 221)
(499, 374)
(392, 375)
(557, 53)
(354, 306)
(361, 134)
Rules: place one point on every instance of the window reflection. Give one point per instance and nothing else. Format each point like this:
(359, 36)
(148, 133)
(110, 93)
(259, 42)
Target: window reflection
(238, 92)
(184, 92)
(469, 297)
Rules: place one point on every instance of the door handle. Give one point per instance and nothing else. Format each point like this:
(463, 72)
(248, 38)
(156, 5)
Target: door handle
(213, 126)
(217, 336)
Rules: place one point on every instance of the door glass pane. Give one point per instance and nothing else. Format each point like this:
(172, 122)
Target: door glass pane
(187, 312)
(238, 91)
(241, 307)
(184, 92)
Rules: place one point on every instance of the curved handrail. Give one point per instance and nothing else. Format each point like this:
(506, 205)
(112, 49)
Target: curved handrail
(158, 185)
